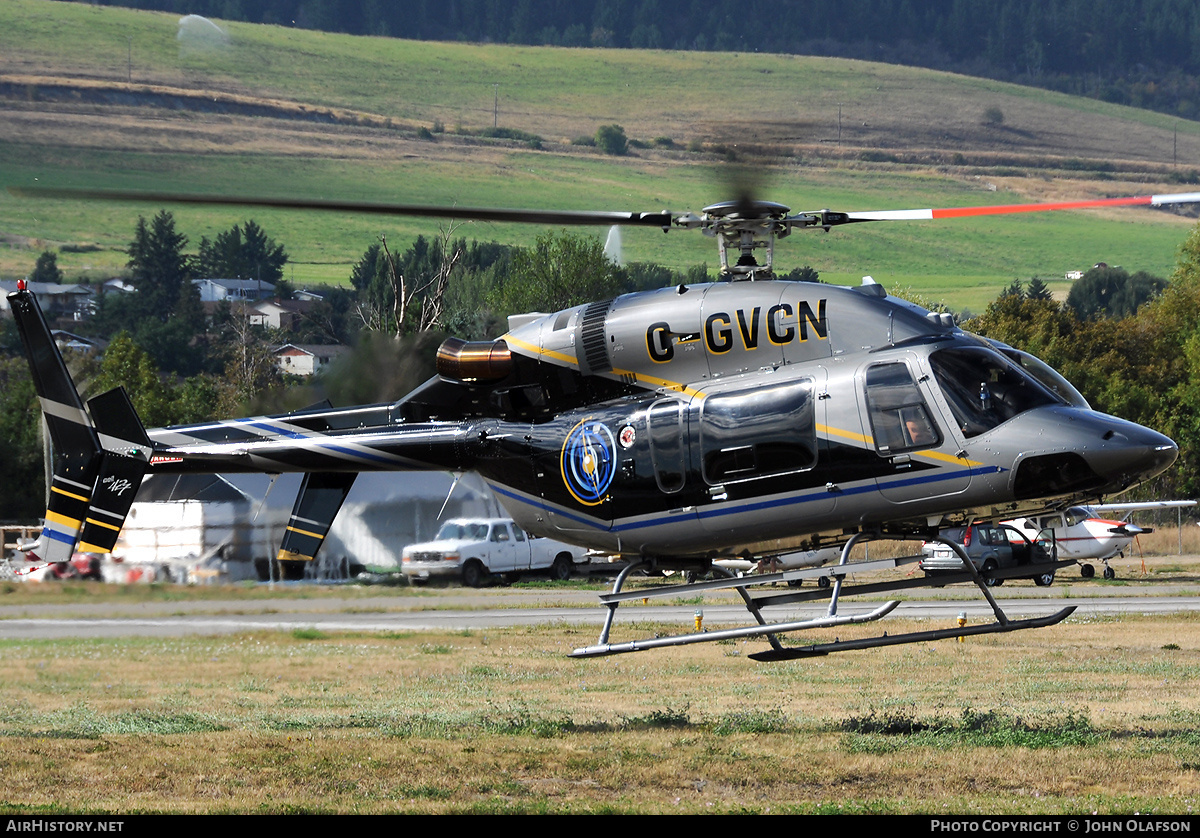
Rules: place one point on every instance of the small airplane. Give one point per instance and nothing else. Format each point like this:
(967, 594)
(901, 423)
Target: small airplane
(1080, 533)
(742, 419)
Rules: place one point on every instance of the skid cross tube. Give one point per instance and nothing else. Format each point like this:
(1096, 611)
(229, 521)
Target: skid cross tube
(730, 634)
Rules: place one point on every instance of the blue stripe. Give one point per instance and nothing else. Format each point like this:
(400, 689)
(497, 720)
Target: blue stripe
(758, 505)
(64, 537)
(321, 442)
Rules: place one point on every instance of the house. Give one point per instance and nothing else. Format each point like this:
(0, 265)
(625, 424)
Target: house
(279, 314)
(215, 290)
(57, 300)
(308, 359)
(78, 343)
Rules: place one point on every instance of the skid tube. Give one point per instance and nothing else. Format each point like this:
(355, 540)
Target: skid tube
(778, 652)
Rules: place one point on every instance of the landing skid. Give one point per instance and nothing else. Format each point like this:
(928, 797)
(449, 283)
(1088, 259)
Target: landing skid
(755, 600)
(913, 637)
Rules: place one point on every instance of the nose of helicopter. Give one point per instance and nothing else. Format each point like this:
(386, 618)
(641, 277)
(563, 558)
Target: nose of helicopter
(1090, 452)
(1131, 454)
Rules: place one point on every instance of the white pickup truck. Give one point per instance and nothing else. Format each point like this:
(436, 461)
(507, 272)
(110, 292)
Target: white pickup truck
(476, 548)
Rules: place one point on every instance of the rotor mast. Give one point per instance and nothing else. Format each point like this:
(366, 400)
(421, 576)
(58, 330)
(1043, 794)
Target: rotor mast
(744, 226)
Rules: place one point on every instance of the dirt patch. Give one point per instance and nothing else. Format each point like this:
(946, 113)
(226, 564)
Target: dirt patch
(53, 90)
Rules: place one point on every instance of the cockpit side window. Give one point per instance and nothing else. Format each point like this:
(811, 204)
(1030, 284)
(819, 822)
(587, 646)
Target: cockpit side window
(900, 421)
(984, 389)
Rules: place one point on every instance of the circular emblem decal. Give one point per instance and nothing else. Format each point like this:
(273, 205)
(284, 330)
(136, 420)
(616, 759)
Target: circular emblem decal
(628, 436)
(589, 462)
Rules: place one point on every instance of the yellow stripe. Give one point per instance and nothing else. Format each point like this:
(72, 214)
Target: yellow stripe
(84, 547)
(938, 456)
(69, 494)
(62, 520)
(832, 431)
(946, 458)
(292, 556)
(549, 353)
(694, 393)
(644, 379)
(306, 532)
(102, 524)
(662, 382)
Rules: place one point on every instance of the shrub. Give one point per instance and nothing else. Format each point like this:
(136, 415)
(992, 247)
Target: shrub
(611, 139)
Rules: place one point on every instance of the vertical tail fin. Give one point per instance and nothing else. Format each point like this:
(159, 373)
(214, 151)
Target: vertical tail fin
(321, 496)
(76, 447)
(80, 464)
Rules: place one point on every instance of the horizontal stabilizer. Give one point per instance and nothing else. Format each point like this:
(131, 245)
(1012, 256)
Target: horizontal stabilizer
(321, 496)
(119, 428)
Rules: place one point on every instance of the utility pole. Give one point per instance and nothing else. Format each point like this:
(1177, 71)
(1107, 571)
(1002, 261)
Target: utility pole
(496, 106)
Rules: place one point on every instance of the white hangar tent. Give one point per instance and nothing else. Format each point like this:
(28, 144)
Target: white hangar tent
(194, 528)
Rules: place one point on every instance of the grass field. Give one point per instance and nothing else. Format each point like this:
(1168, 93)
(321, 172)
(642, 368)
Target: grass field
(908, 138)
(1095, 715)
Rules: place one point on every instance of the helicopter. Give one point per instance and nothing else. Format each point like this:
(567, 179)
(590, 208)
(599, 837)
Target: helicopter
(675, 428)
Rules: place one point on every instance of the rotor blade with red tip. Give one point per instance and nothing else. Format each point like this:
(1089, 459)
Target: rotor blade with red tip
(965, 212)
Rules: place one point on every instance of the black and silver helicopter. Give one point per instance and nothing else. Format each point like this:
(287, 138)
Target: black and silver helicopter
(677, 427)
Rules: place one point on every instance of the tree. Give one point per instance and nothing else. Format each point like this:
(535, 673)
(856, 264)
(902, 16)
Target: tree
(804, 274)
(611, 139)
(560, 271)
(1014, 289)
(46, 269)
(158, 267)
(406, 292)
(126, 364)
(1112, 292)
(250, 367)
(21, 491)
(1037, 290)
(242, 252)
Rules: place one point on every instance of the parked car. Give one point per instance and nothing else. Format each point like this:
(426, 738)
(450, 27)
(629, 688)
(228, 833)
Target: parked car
(991, 548)
(475, 549)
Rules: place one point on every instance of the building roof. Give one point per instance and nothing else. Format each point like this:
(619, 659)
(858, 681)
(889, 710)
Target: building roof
(48, 289)
(317, 350)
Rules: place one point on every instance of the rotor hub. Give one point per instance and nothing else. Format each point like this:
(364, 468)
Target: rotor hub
(742, 227)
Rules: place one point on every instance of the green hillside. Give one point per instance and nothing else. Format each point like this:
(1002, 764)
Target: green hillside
(111, 97)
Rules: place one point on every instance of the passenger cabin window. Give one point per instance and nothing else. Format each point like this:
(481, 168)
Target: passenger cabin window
(900, 421)
(761, 432)
(984, 389)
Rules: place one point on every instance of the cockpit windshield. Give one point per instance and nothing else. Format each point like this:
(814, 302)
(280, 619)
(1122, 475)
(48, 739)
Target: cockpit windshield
(984, 389)
(1046, 374)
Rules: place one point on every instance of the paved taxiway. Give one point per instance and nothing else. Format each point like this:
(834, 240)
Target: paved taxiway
(454, 610)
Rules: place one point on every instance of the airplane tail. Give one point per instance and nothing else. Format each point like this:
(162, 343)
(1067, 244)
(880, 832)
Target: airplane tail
(99, 456)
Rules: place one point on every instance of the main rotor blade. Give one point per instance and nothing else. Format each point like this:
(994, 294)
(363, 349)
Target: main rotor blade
(661, 219)
(965, 212)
